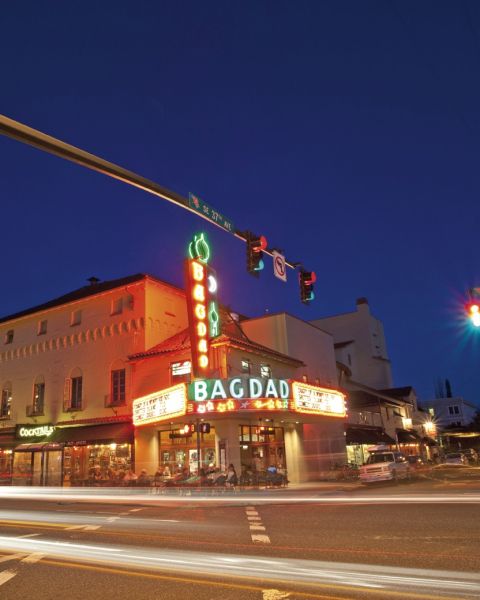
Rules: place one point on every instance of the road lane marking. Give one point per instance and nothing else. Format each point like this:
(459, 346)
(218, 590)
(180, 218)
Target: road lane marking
(6, 576)
(83, 527)
(136, 509)
(258, 537)
(112, 519)
(274, 595)
(11, 557)
(27, 535)
(33, 558)
(255, 524)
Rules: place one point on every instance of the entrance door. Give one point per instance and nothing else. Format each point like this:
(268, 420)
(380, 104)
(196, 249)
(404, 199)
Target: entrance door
(52, 468)
(37, 468)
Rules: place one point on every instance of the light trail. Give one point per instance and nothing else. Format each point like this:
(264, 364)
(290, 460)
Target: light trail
(282, 570)
(119, 496)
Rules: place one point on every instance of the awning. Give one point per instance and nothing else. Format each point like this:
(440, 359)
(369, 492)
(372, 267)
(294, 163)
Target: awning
(118, 433)
(367, 435)
(34, 447)
(407, 437)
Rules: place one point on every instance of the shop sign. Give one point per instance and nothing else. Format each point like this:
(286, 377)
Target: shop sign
(33, 432)
(238, 388)
(166, 404)
(311, 399)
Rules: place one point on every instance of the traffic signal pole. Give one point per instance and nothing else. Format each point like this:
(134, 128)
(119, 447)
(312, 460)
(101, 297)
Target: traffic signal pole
(37, 139)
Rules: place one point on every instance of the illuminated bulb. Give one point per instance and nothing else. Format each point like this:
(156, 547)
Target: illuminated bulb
(476, 318)
(212, 284)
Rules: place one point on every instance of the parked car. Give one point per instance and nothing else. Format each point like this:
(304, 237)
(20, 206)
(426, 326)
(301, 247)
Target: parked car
(471, 455)
(456, 458)
(384, 465)
(416, 462)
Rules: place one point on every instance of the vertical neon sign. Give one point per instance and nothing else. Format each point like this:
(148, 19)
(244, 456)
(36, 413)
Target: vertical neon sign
(202, 304)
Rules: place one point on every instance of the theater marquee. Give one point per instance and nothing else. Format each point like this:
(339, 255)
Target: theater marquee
(162, 405)
(237, 395)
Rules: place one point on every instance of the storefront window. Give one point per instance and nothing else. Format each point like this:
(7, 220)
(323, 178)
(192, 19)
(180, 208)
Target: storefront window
(261, 446)
(6, 458)
(22, 468)
(112, 460)
(179, 452)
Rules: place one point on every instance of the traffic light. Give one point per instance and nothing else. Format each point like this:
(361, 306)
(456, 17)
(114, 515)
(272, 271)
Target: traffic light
(473, 311)
(188, 429)
(204, 427)
(307, 279)
(255, 247)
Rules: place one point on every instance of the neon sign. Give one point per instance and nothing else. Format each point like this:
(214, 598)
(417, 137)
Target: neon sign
(202, 305)
(166, 404)
(237, 388)
(34, 431)
(231, 405)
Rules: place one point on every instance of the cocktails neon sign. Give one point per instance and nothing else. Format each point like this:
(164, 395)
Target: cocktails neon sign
(202, 304)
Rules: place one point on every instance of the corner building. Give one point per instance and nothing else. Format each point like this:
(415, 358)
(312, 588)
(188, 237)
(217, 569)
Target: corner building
(75, 371)
(258, 406)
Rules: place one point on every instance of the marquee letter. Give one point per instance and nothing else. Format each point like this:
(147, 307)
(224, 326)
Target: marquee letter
(271, 390)
(197, 271)
(200, 390)
(239, 392)
(284, 391)
(255, 388)
(218, 391)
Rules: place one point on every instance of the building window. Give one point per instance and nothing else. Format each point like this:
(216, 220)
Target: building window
(6, 402)
(246, 366)
(265, 371)
(76, 393)
(75, 318)
(42, 327)
(38, 401)
(180, 371)
(453, 410)
(9, 336)
(117, 396)
(431, 412)
(117, 306)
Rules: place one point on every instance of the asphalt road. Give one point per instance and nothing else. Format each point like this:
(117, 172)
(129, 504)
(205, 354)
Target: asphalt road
(418, 540)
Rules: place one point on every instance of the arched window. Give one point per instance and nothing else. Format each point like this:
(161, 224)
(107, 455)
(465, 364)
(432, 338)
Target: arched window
(6, 401)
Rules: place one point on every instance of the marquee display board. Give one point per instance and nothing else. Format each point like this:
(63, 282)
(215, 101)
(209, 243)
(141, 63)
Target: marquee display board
(160, 406)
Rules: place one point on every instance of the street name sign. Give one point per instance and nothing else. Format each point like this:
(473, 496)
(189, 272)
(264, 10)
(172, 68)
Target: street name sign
(210, 213)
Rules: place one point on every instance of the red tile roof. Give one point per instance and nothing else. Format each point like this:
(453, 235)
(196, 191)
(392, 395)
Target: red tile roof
(181, 341)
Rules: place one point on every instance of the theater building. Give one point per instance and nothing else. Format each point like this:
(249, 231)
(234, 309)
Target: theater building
(104, 377)
(253, 410)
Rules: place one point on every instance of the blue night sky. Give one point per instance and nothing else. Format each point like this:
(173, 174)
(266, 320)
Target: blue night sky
(345, 132)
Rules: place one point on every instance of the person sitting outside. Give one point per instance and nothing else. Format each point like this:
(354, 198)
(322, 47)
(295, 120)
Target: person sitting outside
(130, 478)
(231, 480)
(143, 480)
